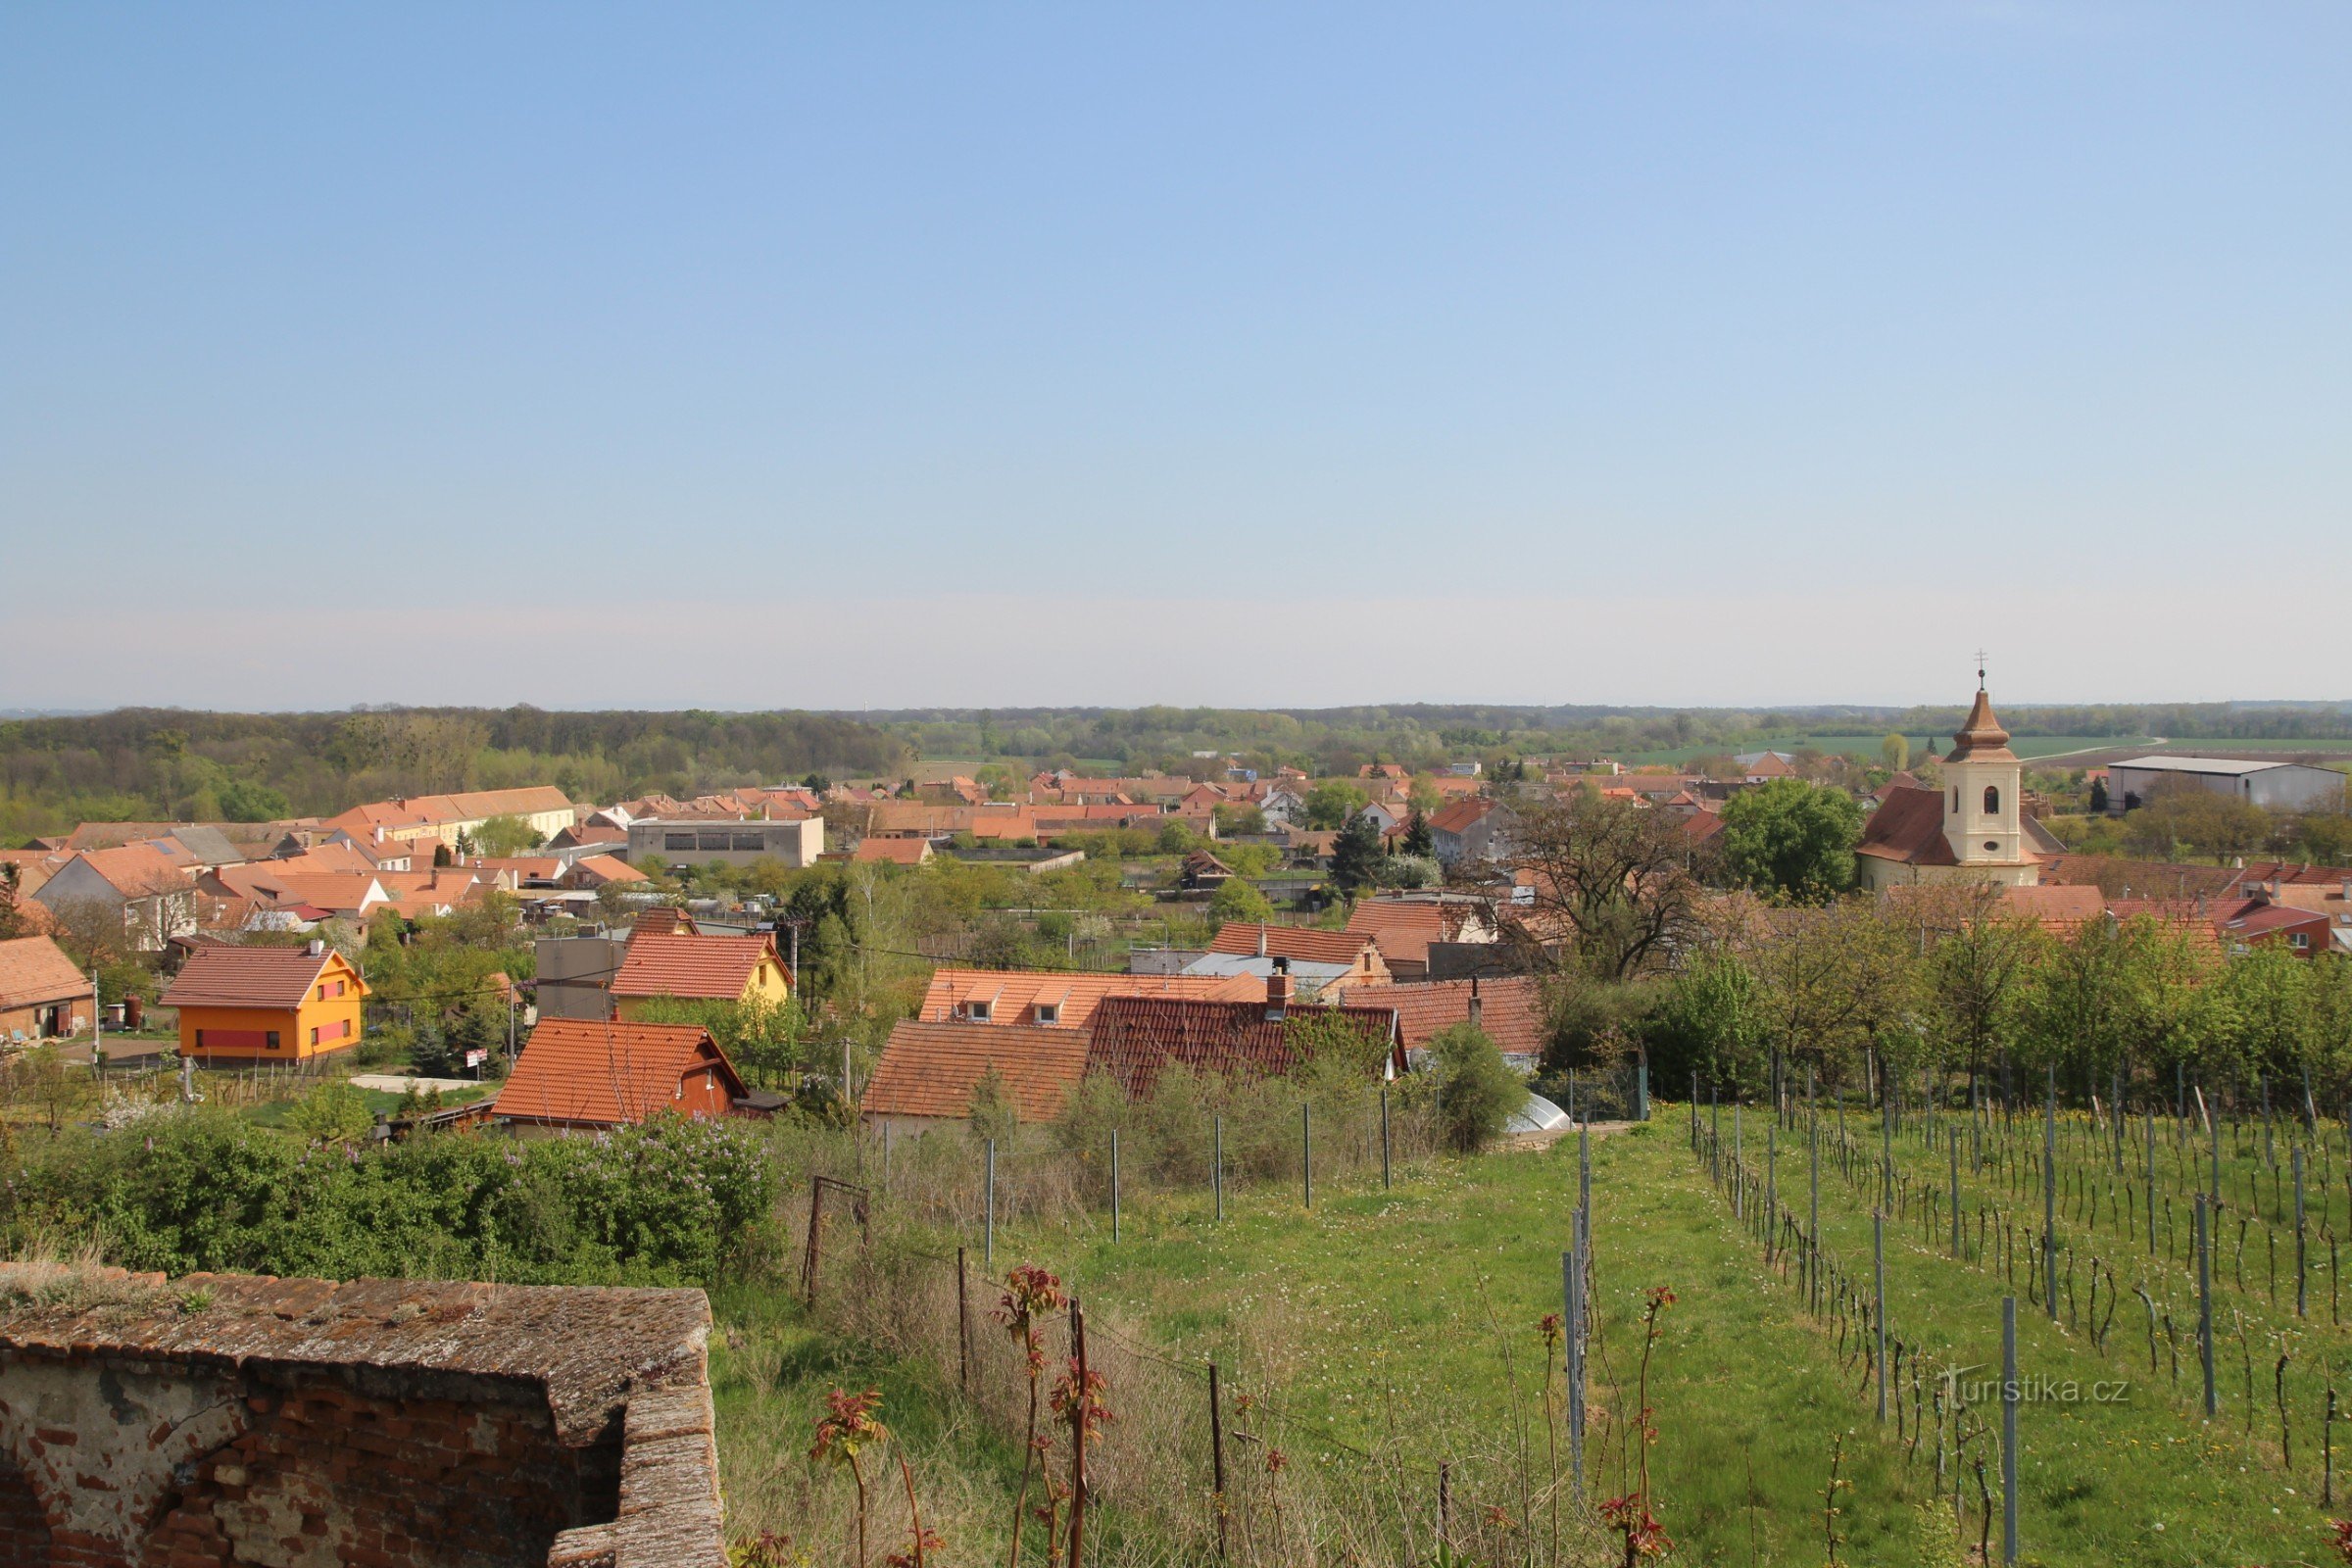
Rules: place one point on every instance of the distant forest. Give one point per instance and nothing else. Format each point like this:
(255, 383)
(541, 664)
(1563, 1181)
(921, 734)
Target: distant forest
(172, 765)
(1339, 739)
(142, 764)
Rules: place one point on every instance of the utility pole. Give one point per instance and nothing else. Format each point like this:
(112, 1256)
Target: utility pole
(97, 1029)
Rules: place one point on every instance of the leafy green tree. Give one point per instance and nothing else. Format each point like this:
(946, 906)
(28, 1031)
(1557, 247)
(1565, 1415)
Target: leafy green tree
(1793, 838)
(1239, 899)
(1357, 854)
(1895, 753)
(1330, 803)
(12, 918)
(506, 835)
(243, 801)
(1708, 1022)
(1478, 1092)
(332, 1113)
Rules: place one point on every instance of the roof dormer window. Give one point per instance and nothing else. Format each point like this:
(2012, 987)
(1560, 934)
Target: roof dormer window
(977, 1011)
(1049, 1013)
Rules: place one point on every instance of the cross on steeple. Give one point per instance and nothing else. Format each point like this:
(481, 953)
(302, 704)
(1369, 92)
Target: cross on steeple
(1980, 669)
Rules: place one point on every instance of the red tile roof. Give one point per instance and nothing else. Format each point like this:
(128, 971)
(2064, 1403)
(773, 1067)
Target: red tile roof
(254, 977)
(1456, 815)
(1510, 1009)
(34, 970)
(1135, 1039)
(135, 870)
(892, 852)
(605, 868)
(585, 1071)
(1406, 927)
(932, 1068)
(720, 968)
(1245, 938)
(1014, 995)
(1908, 826)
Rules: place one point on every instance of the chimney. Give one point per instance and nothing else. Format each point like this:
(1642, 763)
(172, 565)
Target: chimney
(1278, 986)
(1261, 943)
(1478, 1006)
(317, 948)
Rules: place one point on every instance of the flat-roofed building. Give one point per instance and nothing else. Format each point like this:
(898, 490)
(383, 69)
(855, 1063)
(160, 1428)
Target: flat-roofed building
(2279, 786)
(668, 841)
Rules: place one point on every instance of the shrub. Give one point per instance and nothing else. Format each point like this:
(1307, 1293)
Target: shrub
(1478, 1091)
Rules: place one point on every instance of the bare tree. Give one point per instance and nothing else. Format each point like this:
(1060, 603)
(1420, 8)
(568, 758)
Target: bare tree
(1610, 886)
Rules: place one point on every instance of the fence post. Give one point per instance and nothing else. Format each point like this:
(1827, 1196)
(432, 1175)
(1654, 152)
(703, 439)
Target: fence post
(2151, 1184)
(1217, 1165)
(1642, 1084)
(963, 1324)
(1445, 1508)
(2009, 1429)
(1572, 1286)
(1306, 1152)
(988, 1253)
(1217, 1454)
(1384, 1135)
(809, 1253)
(1114, 1183)
(1813, 1217)
(1078, 1438)
(1738, 1166)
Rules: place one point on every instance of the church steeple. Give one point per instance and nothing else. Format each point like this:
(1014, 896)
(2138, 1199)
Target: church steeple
(1982, 815)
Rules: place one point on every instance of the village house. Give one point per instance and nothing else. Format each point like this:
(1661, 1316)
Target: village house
(1405, 925)
(593, 871)
(42, 996)
(1507, 1009)
(1136, 1039)
(1312, 958)
(692, 841)
(248, 1005)
(1472, 831)
(692, 967)
(545, 809)
(587, 1075)
(153, 900)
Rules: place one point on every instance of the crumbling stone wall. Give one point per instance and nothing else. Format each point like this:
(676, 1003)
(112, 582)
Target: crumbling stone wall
(301, 1424)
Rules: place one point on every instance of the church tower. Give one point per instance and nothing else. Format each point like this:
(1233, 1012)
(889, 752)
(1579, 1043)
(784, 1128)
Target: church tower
(1982, 783)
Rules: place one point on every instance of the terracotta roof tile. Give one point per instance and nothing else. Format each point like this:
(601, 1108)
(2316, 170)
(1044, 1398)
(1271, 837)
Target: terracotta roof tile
(252, 977)
(659, 964)
(1510, 1009)
(1135, 1039)
(932, 1068)
(1015, 995)
(1908, 826)
(1245, 938)
(34, 970)
(585, 1071)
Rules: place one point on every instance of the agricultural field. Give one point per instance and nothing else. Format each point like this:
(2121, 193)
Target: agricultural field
(2028, 747)
(1388, 1332)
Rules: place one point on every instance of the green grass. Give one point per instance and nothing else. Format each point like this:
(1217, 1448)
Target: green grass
(379, 1103)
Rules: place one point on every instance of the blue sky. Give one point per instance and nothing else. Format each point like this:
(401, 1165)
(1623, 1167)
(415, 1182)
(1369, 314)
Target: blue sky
(897, 354)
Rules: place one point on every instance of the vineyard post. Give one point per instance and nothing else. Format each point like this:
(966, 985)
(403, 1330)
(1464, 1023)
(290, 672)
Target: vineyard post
(1878, 1260)
(1715, 1132)
(1114, 1183)
(1772, 1185)
(1216, 1455)
(1813, 1219)
(1695, 1112)
(2151, 1183)
(1739, 1165)
(808, 1256)
(1584, 1172)
(2122, 1122)
(2205, 1301)
(988, 1234)
(1886, 1145)
(2311, 1107)
(963, 1324)
(2327, 1453)
(1216, 1164)
(2269, 1151)
(2297, 1155)
(2008, 1429)
(2049, 1195)
(1641, 1083)
(1953, 1147)
(2213, 1125)
(1384, 1135)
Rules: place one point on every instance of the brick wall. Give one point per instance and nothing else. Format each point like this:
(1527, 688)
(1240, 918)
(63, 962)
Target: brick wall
(299, 1424)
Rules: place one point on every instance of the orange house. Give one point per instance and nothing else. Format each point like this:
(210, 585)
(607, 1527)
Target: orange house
(255, 1005)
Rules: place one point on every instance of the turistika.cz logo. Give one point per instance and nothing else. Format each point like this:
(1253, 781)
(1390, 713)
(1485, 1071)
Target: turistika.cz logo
(2032, 1388)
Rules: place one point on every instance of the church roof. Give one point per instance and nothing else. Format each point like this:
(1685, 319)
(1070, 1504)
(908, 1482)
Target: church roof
(1980, 735)
(1908, 826)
